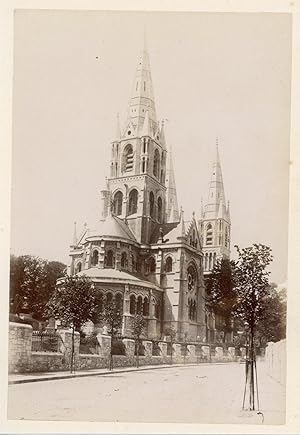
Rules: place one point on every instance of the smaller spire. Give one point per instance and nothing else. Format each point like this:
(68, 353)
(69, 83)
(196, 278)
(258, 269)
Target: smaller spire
(228, 210)
(193, 214)
(75, 234)
(162, 133)
(181, 223)
(202, 210)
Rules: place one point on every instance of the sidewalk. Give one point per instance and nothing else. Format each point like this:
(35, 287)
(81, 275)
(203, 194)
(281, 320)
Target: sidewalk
(22, 378)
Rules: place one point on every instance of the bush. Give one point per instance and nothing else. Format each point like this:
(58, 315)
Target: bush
(118, 347)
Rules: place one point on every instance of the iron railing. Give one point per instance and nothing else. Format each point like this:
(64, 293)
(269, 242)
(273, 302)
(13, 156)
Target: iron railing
(45, 341)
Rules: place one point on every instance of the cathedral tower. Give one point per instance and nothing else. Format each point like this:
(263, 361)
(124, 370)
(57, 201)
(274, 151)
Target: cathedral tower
(137, 182)
(215, 219)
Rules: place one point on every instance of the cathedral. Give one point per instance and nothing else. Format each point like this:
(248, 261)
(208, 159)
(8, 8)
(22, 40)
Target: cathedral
(143, 252)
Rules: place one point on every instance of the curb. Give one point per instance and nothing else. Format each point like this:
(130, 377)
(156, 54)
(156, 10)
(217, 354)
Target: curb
(108, 372)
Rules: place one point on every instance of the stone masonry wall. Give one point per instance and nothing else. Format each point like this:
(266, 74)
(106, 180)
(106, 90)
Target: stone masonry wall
(22, 359)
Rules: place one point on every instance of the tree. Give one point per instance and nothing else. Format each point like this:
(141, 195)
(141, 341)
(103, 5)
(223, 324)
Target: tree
(272, 323)
(221, 293)
(32, 282)
(138, 325)
(252, 285)
(171, 332)
(112, 318)
(73, 302)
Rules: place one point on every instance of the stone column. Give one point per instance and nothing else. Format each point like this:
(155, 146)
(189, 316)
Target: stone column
(231, 352)
(206, 352)
(177, 352)
(163, 350)
(20, 342)
(148, 350)
(191, 354)
(66, 346)
(152, 319)
(130, 347)
(219, 353)
(105, 345)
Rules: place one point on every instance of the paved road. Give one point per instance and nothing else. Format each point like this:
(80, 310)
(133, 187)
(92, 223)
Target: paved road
(189, 394)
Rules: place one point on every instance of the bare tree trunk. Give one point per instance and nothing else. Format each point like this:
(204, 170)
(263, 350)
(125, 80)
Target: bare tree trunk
(73, 351)
(137, 352)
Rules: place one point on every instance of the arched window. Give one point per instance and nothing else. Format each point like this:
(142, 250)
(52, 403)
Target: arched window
(169, 264)
(210, 261)
(157, 310)
(209, 235)
(191, 279)
(151, 201)
(146, 307)
(117, 203)
(194, 311)
(139, 305)
(78, 267)
(124, 260)
(206, 262)
(95, 258)
(156, 161)
(215, 259)
(127, 161)
(226, 238)
(133, 200)
(159, 209)
(119, 302)
(110, 259)
(132, 304)
(108, 298)
(152, 265)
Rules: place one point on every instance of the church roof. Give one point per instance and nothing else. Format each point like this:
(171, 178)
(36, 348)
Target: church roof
(116, 276)
(112, 227)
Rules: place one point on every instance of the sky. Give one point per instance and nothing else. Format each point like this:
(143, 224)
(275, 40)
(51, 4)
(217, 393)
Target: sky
(224, 75)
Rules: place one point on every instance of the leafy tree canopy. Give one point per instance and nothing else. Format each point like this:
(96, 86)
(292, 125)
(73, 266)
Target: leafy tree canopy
(73, 301)
(32, 282)
(252, 282)
(221, 294)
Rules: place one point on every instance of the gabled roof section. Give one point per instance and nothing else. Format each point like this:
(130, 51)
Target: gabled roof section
(113, 227)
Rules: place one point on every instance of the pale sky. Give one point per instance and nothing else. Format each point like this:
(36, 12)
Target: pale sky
(214, 75)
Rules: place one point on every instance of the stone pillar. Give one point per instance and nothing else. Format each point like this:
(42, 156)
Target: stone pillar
(163, 350)
(206, 352)
(66, 346)
(148, 350)
(177, 352)
(105, 345)
(231, 352)
(101, 255)
(130, 347)
(243, 352)
(219, 352)
(152, 319)
(20, 342)
(191, 354)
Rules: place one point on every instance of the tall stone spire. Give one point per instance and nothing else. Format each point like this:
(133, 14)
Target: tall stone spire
(172, 204)
(216, 194)
(142, 96)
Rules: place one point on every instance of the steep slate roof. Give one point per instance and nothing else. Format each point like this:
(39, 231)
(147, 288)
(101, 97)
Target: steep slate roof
(115, 275)
(112, 227)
